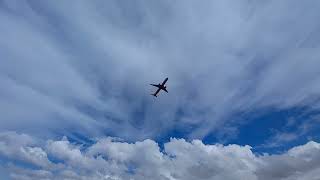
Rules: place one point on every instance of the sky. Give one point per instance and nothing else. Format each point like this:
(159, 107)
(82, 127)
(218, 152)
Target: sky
(243, 101)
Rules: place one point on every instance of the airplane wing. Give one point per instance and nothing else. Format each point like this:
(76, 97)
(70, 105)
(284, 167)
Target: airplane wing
(164, 82)
(155, 94)
(156, 85)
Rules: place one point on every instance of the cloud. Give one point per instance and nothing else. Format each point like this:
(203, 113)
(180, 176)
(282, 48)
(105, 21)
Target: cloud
(111, 159)
(298, 163)
(302, 126)
(21, 147)
(82, 70)
(84, 67)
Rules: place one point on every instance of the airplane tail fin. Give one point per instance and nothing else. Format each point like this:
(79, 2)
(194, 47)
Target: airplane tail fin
(154, 95)
(165, 89)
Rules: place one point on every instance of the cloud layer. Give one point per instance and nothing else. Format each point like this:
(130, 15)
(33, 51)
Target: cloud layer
(111, 159)
(85, 66)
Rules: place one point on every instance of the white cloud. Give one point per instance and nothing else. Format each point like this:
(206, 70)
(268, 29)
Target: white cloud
(22, 147)
(110, 159)
(300, 162)
(86, 66)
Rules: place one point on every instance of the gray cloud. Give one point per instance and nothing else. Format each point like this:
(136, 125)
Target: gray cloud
(111, 159)
(84, 66)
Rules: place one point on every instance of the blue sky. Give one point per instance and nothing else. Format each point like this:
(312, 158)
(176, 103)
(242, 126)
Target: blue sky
(243, 78)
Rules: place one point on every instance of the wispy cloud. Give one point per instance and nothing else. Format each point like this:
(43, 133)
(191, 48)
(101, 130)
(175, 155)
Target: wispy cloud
(84, 66)
(300, 127)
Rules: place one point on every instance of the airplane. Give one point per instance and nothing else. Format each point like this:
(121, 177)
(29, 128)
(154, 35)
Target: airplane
(160, 87)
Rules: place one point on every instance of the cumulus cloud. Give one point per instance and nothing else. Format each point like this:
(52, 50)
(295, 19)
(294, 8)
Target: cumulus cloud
(84, 66)
(21, 147)
(111, 159)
